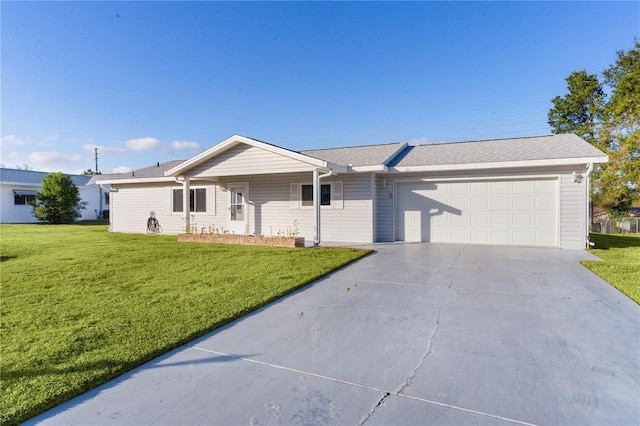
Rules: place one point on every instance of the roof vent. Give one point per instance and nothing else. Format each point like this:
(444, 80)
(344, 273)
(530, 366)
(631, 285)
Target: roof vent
(158, 164)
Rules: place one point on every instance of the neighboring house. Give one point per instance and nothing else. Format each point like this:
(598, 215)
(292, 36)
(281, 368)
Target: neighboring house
(18, 193)
(524, 191)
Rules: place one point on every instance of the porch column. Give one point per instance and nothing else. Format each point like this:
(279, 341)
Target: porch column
(316, 206)
(185, 203)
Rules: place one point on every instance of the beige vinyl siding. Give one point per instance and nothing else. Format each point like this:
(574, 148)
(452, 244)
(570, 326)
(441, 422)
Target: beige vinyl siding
(250, 160)
(131, 205)
(353, 222)
(384, 224)
(270, 209)
(572, 211)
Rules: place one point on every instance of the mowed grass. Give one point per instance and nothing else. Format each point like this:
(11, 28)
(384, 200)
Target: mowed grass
(621, 262)
(80, 305)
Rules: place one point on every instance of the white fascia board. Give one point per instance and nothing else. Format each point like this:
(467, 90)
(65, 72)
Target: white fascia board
(135, 180)
(375, 168)
(395, 154)
(235, 140)
(502, 165)
(337, 167)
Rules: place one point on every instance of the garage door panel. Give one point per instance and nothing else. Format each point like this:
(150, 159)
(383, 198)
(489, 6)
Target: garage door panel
(500, 202)
(544, 202)
(520, 212)
(520, 203)
(544, 220)
(500, 237)
(480, 236)
(523, 238)
(478, 219)
(479, 202)
(500, 219)
(522, 219)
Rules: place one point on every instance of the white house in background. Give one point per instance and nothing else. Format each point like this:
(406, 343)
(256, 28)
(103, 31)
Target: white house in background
(524, 191)
(18, 191)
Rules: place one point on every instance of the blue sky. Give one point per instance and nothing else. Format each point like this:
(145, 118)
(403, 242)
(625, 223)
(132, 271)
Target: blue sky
(154, 81)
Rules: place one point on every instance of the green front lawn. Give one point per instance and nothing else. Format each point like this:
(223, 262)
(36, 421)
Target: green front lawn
(621, 262)
(80, 305)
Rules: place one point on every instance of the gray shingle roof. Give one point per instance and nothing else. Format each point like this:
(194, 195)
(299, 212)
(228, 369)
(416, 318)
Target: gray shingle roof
(30, 177)
(498, 150)
(156, 170)
(368, 155)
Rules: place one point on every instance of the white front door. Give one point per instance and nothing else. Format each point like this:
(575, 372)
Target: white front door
(237, 217)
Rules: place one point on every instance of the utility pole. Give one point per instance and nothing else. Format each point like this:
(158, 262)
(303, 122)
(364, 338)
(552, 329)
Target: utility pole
(96, 151)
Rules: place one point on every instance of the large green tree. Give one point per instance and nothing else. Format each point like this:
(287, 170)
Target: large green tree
(59, 200)
(609, 122)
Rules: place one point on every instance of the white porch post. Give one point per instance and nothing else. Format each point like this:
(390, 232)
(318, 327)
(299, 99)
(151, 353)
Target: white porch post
(185, 204)
(316, 206)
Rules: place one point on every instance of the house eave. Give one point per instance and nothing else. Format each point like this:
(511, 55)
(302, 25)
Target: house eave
(135, 180)
(375, 168)
(501, 164)
(35, 185)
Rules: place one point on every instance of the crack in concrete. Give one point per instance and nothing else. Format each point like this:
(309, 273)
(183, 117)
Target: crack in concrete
(409, 380)
(373, 410)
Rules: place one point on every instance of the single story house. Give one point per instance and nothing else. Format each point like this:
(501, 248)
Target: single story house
(531, 191)
(18, 194)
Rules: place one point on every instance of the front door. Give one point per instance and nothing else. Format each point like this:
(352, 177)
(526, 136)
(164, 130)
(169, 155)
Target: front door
(237, 219)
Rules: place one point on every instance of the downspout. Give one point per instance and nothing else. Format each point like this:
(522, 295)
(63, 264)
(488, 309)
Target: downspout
(185, 181)
(316, 203)
(588, 197)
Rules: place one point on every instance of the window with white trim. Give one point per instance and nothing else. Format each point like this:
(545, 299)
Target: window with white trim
(301, 195)
(197, 200)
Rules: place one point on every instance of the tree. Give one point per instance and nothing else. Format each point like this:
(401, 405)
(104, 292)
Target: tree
(580, 110)
(611, 123)
(25, 166)
(59, 200)
(90, 172)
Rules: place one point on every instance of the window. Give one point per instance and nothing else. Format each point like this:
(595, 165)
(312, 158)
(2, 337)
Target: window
(197, 200)
(306, 195)
(106, 198)
(22, 198)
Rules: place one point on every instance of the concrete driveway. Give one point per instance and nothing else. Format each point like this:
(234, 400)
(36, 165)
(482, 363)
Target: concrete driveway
(413, 334)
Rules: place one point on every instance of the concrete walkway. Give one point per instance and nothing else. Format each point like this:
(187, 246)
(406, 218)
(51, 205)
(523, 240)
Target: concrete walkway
(413, 334)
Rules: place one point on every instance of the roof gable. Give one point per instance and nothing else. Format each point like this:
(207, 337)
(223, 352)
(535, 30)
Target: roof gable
(236, 140)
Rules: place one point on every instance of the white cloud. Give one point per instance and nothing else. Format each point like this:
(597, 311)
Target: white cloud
(142, 144)
(121, 169)
(183, 145)
(11, 140)
(102, 149)
(52, 157)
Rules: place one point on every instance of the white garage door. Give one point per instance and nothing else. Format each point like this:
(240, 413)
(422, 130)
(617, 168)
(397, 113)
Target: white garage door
(516, 212)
